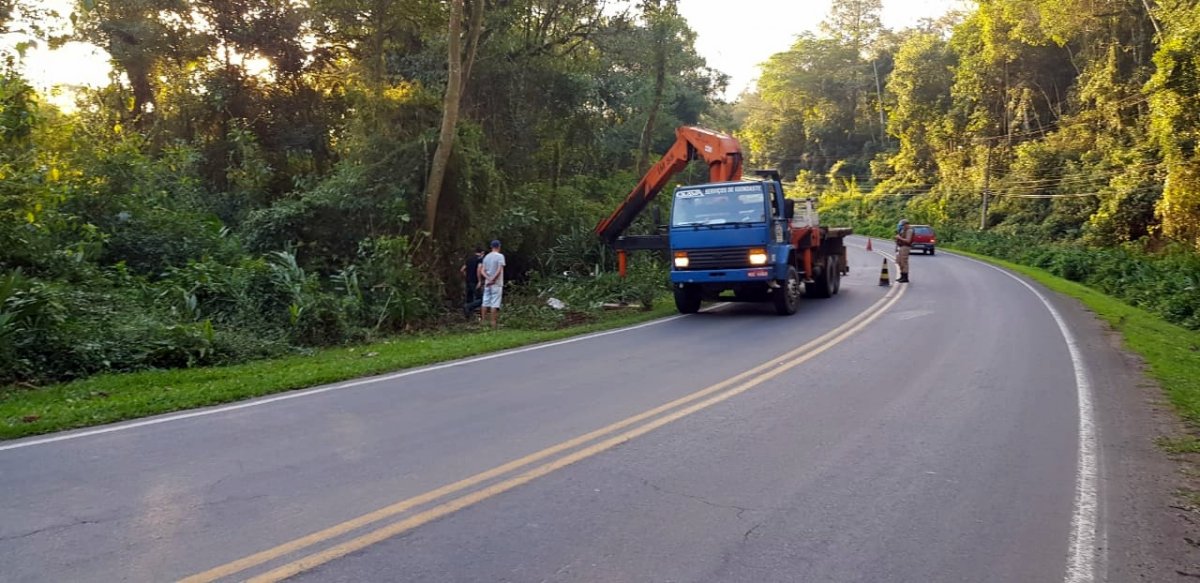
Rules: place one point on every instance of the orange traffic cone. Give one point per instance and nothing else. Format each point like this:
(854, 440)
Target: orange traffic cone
(885, 277)
(869, 244)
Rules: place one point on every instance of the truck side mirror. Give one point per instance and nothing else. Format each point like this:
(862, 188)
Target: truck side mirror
(789, 209)
(656, 213)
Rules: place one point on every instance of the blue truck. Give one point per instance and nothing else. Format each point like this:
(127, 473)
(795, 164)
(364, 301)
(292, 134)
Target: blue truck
(730, 234)
(746, 238)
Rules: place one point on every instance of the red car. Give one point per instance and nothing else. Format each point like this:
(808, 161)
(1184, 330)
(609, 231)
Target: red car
(924, 239)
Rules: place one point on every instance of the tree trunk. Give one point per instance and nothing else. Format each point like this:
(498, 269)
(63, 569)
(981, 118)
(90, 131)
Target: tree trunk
(441, 156)
(473, 31)
(143, 96)
(660, 78)
(375, 62)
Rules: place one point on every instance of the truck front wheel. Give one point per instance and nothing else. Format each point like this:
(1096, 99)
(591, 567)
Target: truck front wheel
(787, 296)
(687, 299)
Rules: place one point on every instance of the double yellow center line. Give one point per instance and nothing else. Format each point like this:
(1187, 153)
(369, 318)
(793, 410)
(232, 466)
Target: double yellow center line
(605, 438)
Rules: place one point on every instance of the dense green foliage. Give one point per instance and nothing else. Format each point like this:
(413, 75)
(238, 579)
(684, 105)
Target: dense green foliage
(252, 182)
(1076, 120)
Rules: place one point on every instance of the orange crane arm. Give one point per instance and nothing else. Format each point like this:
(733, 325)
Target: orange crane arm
(721, 152)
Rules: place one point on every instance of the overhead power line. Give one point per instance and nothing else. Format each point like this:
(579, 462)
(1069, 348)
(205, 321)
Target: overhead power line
(1073, 194)
(1019, 188)
(1093, 177)
(867, 194)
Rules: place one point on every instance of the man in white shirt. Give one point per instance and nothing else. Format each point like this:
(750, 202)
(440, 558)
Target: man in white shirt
(492, 271)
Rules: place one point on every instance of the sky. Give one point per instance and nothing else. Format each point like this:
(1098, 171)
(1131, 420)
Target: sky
(732, 40)
(735, 42)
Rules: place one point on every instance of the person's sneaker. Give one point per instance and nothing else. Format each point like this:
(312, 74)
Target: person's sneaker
(903, 279)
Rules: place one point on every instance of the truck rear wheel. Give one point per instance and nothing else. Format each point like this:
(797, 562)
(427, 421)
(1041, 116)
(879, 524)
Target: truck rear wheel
(822, 284)
(836, 266)
(787, 296)
(687, 299)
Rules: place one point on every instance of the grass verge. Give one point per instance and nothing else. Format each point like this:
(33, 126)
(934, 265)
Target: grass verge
(118, 397)
(1172, 353)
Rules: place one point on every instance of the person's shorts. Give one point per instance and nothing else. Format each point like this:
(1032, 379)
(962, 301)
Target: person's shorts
(492, 295)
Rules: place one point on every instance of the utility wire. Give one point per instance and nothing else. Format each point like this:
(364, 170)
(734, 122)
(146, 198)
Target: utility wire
(1076, 178)
(868, 194)
(1071, 182)
(1073, 194)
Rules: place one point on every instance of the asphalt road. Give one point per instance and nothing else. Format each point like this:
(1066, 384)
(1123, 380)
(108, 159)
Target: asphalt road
(921, 433)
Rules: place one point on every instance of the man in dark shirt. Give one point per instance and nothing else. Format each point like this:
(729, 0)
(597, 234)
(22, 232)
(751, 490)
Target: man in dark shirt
(470, 271)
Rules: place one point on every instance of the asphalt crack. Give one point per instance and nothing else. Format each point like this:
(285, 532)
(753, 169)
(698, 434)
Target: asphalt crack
(746, 537)
(228, 499)
(51, 528)
(740, 509)
(92, 521)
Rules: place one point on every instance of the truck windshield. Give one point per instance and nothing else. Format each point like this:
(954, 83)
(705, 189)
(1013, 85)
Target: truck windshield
(719, 205)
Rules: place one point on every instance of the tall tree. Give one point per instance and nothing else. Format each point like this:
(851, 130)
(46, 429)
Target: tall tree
(661, 21)
(140, 35)
(921, 88)
(808, 95)
(372, 36)
(855, 23)
(1176, 121)
(456, 64)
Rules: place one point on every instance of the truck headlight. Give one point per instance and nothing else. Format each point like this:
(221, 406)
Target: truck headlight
(757, 257)
(681, 259)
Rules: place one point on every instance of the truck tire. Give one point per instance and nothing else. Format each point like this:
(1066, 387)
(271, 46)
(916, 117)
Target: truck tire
(822, 284)
(932, 251)
(836, 270)
(787, 297)
(687, 299)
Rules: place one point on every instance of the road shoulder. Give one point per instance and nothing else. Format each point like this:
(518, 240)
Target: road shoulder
(1150, 523)
(1147, 523)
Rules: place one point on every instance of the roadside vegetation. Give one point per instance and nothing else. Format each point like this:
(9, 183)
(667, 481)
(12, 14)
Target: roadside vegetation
(116, 397)
(255, 183)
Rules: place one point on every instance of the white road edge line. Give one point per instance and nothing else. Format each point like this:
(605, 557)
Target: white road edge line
(337, 387)
(1083, 554)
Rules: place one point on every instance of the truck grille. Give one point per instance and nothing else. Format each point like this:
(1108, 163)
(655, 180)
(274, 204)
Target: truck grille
(736, 258)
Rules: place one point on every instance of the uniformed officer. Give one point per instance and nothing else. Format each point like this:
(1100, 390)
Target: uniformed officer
(904, 238)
